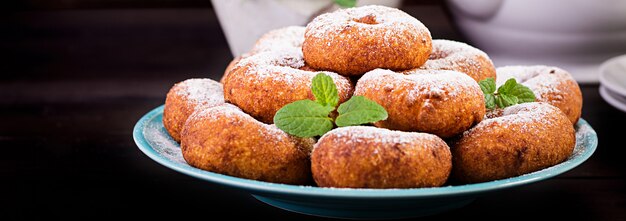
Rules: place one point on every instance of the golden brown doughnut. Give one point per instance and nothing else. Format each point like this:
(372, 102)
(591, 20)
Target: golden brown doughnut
(187, 96)
(461, 57)
(356, 40)
(516, 140)
(370, 157)
(550, 84)
(441, 102)
(263, 83)
(226, 140)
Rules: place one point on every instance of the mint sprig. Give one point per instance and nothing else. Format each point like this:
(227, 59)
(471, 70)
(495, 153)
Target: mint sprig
(346, 3)
(509, 94)
(307, 118)
(324, 90)
(359, 110)
(304, 118)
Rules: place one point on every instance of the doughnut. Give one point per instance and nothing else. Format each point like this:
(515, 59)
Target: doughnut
(441, 102)
(226, 140)
(187, 96)
(513, 141)
(370, 157)
(277, 39)
(356, 40)
(461, 57)
(550, 84)
(263, 83)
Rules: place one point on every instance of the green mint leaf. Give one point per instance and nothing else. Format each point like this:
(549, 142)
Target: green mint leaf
(346, 3)
(325, 90)
(488, 86)
(505, 100)
(359, 110)
(304, 118)
(490, 101)
(512, 93)
(523, 93)
(507, 86)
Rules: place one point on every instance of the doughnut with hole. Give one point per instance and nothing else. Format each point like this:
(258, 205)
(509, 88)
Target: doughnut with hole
(356, 40)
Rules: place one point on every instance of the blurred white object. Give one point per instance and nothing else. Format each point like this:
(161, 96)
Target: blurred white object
(613, 99)
(613, 82)
(613, 75)
(576, 35)
(244, 21)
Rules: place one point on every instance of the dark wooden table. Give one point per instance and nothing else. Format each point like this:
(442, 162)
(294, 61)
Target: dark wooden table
(74, 82)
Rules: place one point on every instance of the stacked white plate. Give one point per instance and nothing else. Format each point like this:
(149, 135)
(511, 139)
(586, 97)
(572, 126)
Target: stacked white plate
(613, 82)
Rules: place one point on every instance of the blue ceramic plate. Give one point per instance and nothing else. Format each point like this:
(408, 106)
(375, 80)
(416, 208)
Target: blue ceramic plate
(154, 141)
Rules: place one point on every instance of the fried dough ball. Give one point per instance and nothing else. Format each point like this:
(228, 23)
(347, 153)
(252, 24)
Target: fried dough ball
(516, 140)
(274, 40)
(370, 157)
(226, 140)
(444, 103)
(263, 83)
(356, 40)
(461, 57)
(187, 96)
(550, 84)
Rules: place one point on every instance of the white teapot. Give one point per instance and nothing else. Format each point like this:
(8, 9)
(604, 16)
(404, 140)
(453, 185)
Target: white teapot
(576, 35)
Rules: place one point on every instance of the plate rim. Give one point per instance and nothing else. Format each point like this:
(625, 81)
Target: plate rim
(255, 187)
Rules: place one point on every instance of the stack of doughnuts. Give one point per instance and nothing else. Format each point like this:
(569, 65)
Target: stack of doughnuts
(437, 129)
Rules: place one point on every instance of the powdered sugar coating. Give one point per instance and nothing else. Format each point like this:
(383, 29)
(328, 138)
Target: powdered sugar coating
(542, 80)
(283, 65)
(358, 134)
(200, 91)
(287, 37)
(232, 112)
(392, 20)
(458, 56)
(531, 116)
(443, 84)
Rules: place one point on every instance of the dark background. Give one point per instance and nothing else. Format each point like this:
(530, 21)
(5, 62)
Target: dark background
(77, 75)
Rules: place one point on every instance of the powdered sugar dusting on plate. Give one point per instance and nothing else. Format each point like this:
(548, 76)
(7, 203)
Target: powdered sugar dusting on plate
(159, 139)
(542, 80)
(287, 37)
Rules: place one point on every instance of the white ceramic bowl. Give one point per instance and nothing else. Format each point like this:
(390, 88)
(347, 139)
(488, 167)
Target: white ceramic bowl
(576, 35)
